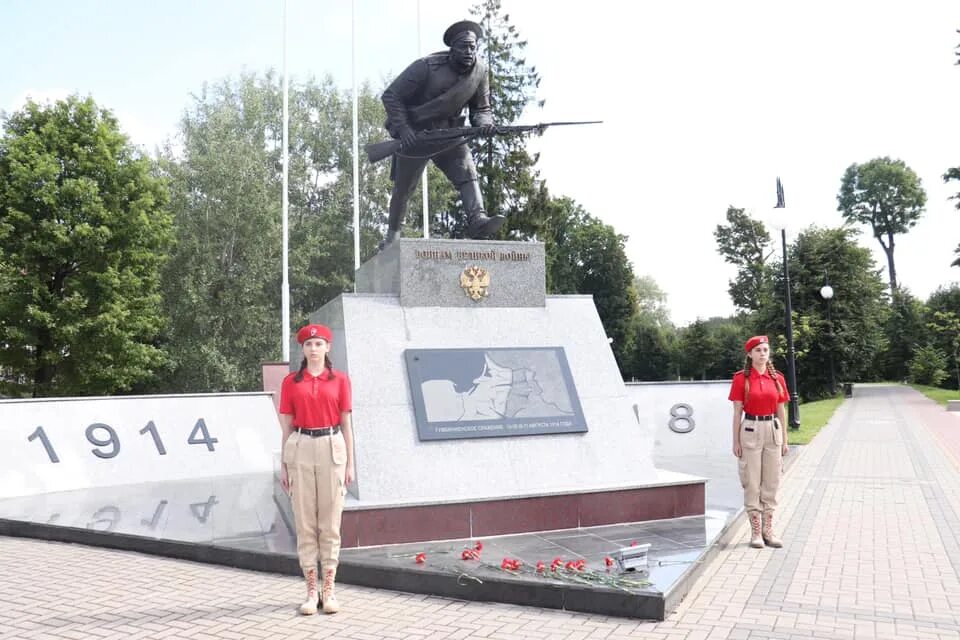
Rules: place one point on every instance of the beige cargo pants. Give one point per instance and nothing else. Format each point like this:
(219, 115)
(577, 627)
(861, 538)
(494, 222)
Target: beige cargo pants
(316, 469)
(761, 463)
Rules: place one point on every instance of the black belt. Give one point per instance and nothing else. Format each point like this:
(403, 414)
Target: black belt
(318, 431)
(749, 416)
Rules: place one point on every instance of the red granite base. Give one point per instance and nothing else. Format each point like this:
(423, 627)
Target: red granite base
(367, 527)
(273, 374)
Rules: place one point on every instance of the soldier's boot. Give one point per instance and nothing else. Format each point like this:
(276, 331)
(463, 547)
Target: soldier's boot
(479, 224)
(756, 538)
(309, 606)
(391, 237)
(328, 596)
(769, 537)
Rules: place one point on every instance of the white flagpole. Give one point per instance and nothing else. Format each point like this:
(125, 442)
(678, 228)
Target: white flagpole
(426, 204)
(285, 285)
(356, 144)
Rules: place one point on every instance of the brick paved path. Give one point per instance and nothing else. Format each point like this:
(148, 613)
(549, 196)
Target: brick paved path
(870, 518)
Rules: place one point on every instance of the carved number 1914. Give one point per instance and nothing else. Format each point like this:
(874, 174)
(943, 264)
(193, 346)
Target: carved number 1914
(107, 442)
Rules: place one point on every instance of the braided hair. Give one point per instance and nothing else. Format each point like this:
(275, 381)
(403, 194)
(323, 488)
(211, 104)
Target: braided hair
(771, 371)
(303, 366)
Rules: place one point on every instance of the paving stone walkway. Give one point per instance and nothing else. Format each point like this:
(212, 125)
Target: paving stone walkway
(869, 514)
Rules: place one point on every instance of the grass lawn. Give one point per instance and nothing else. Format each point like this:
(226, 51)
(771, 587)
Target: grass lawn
(937, 394)
(813, 417)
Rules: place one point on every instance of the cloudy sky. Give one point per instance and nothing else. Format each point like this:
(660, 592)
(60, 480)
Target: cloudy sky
(704, 103)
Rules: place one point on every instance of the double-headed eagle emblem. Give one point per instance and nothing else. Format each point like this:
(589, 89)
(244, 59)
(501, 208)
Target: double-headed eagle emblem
(474, 280)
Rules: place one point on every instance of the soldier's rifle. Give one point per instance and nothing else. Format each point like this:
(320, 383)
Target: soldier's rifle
(377, 151)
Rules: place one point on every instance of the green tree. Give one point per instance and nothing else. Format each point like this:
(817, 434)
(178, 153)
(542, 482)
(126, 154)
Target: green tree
(904, 331)
(730, 335)
(699, 349)
(928, 366)
(321, 191)
(858, 310)
(652, 300)
(954, 174)
(745, 243)
(885, 194)
(945, 298)
(946, 326)
(944, 302)
(653, 336)
(83, 234)
(586, 256)
(222, 286)
(652, 352)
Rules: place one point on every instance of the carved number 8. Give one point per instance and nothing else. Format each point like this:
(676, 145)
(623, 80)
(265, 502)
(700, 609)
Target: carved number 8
(683, 413)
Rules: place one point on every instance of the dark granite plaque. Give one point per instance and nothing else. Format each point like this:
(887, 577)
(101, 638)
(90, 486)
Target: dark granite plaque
(485, 393)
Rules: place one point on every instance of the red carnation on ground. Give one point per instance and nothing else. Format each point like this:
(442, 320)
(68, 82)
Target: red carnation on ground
(576, 565)
(510, 564)
(608, 561)
(478, 546)
(470, 554)
(420, 558)
(541, 567)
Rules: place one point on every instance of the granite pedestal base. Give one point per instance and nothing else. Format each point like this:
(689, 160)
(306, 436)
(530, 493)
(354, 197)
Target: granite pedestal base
(458, 295)
(673, 495)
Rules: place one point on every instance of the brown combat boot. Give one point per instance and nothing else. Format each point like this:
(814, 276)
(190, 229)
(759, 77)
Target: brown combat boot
(327, 596)
(756, 540)
(769, 537)
(309, 606)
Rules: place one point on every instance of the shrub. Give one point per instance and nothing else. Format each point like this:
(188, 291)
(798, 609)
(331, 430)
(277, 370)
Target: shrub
(928, 366)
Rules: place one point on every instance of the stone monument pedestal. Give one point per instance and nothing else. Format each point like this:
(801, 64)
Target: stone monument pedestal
(483, 406)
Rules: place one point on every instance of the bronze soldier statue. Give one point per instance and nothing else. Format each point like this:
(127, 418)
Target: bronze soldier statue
(431, 94)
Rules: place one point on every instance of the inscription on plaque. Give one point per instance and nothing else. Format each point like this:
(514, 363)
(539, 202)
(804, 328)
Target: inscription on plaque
(481, 393)
(465, 254)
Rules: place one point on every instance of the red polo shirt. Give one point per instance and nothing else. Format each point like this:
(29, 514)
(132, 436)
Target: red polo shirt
(764, 397)
(316, 401)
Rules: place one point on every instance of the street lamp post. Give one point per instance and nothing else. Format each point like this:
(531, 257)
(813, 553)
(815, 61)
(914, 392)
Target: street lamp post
(794, 406)
(826, 292)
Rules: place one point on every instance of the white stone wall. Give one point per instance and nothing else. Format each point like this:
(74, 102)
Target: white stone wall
(394, 467)
(712, 414)
(244, 425)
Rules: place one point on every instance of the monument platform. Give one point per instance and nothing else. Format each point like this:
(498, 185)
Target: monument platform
(484, 411)
(243, 520)
(235, 521)
(483, 406)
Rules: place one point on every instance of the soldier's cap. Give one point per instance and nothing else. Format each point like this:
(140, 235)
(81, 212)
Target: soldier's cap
(754, 341)
(450, 35)
(314, 331)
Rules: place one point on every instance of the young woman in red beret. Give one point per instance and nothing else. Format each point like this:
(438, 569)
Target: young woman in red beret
(759, 437)
(317, 445)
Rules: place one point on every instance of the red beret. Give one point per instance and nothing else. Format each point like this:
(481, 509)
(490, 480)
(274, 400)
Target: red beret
(314, 331)
(754, 341)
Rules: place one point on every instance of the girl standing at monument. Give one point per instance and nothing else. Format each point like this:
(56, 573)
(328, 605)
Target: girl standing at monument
(317, 460)
(758, 393)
